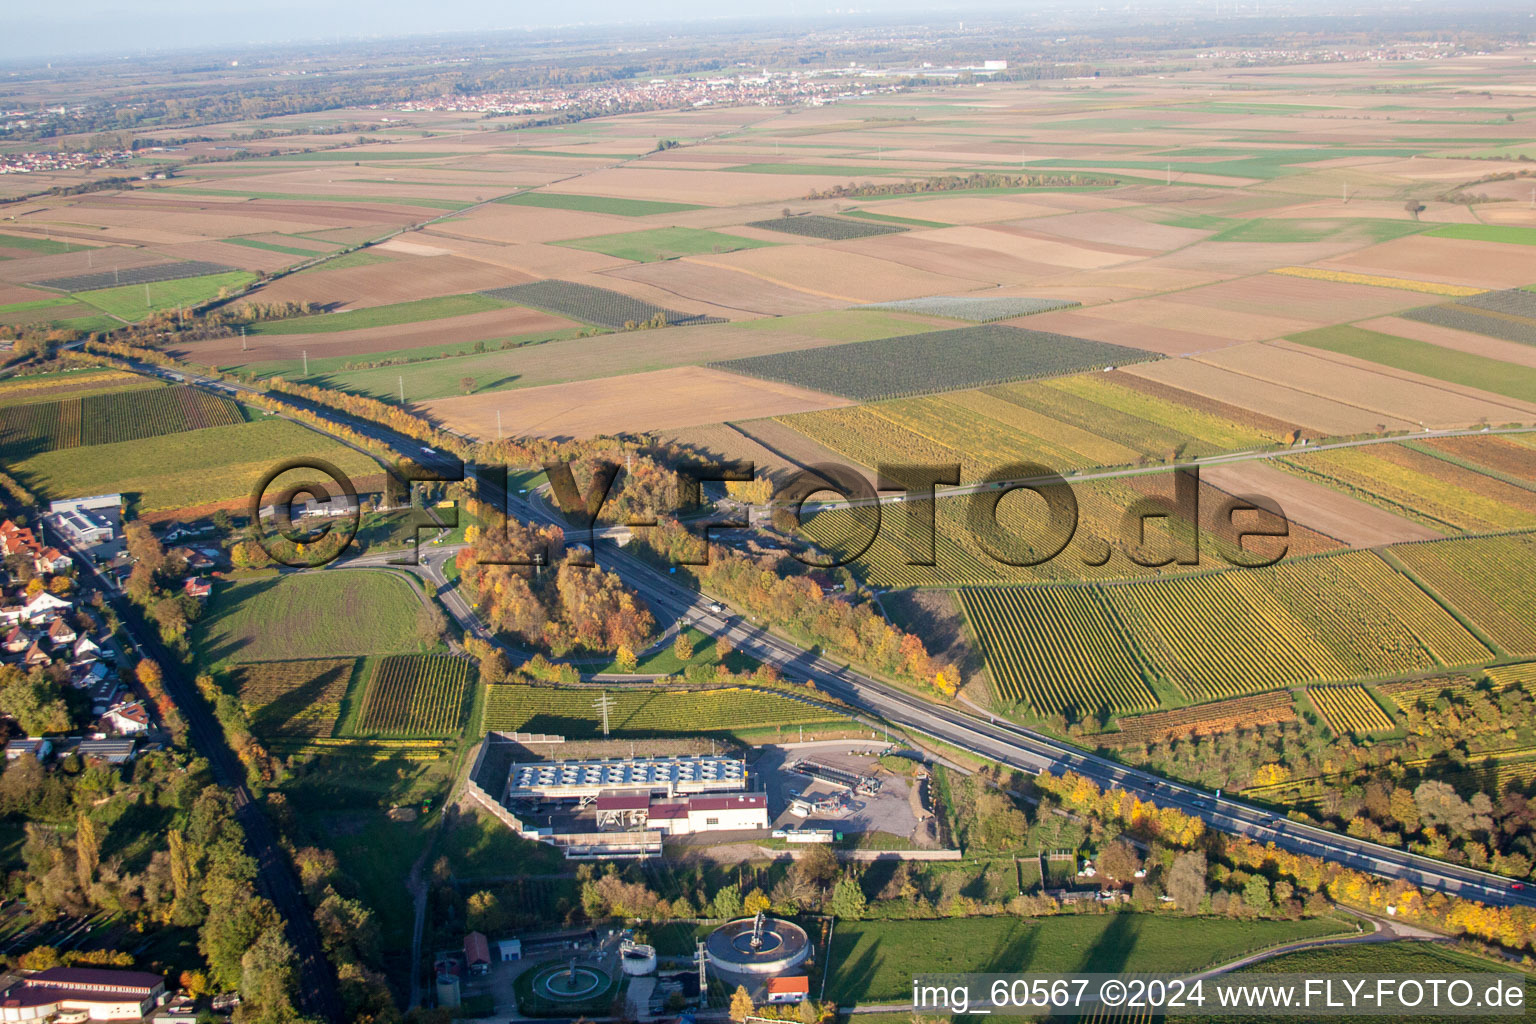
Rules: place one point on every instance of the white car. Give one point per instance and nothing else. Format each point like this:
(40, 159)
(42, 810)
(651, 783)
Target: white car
(429, 451)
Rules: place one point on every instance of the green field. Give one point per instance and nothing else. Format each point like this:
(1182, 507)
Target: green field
(577, 358)
(371, 317)
(875, 961)
(323, 614)
(1486, 233)
(287, 250)
(127, 415)
(293, 369)
(515, 707)
(1420, 959)
(596, 204)
(1446, 364)
(306, 197)
(217, 464)
(355, 258)
(128, 301)
(41, 246)
(23, 307)
(1300, 230)
(911, 222)
(663, 244)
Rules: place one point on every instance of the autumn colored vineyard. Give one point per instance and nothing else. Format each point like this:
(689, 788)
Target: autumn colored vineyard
(514, 707)
(114, 416)
(1349, 709)
(416, 695)
(1206, 719)
(1487, 579)
(1057, 649)
(293, 698)
(1090, 648)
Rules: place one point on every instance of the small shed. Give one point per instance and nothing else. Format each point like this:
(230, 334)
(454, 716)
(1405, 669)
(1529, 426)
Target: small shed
(477, 953)
(508, 950)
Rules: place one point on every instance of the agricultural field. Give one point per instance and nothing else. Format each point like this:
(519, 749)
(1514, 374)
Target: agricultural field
(1487, 580)
(1067, 423)
(106, 279)
(329, 614)
(977, 309)
(833, 228)
(1491, 375)
(658, 244)
(1214, 635)
(1057, 649)
(634, 712)
(596, 204)
(875, 961)
(1420, 487)
(966, 357)
(111, 417)
(132, 302)
(1507, 315)
(1349, 710)
(190, 471)
(593, 305)
(50, 387)
(292, 698)
(373, 317)
(415, 695)
(1253, 711)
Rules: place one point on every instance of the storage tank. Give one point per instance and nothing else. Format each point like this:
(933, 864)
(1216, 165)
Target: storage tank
(448, 991)
(637, 959)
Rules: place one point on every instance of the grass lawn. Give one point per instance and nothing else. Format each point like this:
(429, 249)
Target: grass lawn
(197, 467)
(597, 204)
(875, 961)
(1487, 233)
(41, 246)
(381, 316)
(663, 244)
(1493, 375)
(137, 301)
(479, 846)
(321, 614)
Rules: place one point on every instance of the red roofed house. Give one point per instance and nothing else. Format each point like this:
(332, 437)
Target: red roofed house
(101, 993)
(197, 587)
(789, 990)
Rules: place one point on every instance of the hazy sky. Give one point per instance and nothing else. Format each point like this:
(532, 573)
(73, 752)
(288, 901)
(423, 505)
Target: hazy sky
(36, 31)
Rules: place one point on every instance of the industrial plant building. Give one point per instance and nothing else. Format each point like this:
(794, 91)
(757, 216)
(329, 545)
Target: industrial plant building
(618, 807)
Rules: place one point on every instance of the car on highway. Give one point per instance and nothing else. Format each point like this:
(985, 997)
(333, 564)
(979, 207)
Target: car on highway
(1517, 886)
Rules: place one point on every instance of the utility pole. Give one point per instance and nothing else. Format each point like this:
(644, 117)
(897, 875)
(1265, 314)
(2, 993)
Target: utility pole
(498, 424)
(306, 362)
(242, 337)
(1170, 174)
(602, 704)
(402, 389)
(146, 294)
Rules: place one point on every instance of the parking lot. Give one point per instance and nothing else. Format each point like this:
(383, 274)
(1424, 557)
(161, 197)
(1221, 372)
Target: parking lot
(890, 809)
